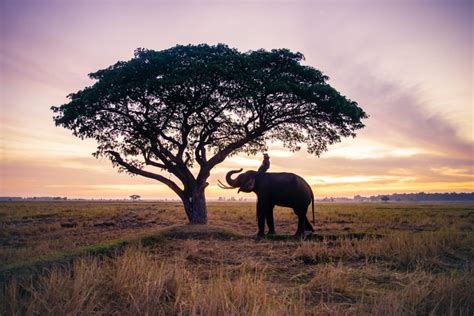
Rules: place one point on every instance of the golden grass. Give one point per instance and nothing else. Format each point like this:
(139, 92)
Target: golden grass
(378, 291)
(380, 259)
(138, 283)
(401, 250)
(135, 283)
(423, 293)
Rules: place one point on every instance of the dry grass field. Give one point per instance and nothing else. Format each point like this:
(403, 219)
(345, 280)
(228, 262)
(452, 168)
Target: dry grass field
(141, 258)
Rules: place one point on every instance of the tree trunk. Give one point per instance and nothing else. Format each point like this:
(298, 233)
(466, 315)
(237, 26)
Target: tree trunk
(195, 205)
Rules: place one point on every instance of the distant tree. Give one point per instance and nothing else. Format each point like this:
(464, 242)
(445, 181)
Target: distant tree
(189, 105)
(385, 198)
(135, 197)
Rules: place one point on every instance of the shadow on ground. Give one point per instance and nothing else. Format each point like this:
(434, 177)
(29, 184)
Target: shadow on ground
(225, 233)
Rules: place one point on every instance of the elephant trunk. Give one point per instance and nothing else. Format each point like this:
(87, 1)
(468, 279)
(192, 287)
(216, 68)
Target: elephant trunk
(228, 178)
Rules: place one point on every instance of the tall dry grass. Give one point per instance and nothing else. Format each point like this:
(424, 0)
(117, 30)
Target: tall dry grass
(135, 283)
(378, 291)
(423, 293)
(401, 274)
(138, 283)
(401, 250)
(422, 264)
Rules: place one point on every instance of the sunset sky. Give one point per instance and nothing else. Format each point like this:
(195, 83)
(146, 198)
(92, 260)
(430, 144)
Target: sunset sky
(409, 65)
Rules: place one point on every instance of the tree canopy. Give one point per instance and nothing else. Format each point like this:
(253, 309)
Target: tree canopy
(198, 104)
(135, 197)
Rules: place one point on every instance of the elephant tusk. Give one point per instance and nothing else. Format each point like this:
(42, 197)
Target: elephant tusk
(223, 186)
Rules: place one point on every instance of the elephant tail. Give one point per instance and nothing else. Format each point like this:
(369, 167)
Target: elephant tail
(312, 205)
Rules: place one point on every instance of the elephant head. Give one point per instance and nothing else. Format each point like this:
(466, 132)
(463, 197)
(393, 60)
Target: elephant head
(245, 181)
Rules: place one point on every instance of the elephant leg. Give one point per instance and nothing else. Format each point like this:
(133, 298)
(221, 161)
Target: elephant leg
(301, 223)
(270, 223)
(307, 225)
(261, 210)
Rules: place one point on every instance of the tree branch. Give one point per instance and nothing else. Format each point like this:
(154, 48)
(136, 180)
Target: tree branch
(119, 160)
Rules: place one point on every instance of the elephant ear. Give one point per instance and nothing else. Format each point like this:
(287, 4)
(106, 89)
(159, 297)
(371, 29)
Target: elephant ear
(248, 186)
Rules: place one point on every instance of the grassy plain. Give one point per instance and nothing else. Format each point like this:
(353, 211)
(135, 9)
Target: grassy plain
(142, 258)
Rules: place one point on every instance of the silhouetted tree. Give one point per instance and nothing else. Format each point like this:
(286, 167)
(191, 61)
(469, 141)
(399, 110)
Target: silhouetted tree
(135, 197)
(190, 105)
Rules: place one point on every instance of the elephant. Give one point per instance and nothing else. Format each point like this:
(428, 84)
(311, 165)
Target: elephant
(282, 189)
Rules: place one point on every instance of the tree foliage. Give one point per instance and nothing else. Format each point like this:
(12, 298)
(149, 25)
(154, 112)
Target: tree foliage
(188, 105)
(135, 197)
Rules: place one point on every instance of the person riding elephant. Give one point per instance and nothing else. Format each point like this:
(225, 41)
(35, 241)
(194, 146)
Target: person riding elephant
(265, 164)
(274, 189)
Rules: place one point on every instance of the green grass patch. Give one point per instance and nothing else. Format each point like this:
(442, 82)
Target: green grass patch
(105, 248)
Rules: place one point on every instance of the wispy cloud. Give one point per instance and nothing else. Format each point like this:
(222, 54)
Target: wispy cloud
(401, 119)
